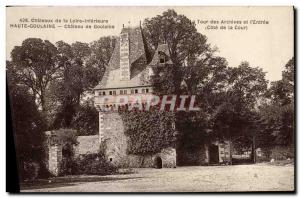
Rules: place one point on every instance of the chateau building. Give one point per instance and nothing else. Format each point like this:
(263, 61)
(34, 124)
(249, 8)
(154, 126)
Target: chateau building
(128, 73)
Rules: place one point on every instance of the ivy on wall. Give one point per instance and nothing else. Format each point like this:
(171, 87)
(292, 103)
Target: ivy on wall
(149, 131)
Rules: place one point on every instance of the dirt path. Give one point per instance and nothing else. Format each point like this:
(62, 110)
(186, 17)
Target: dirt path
(260, 177)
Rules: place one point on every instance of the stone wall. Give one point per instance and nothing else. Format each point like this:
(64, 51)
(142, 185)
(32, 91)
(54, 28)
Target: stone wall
(113, 137)
(55, 157)
(87, 144)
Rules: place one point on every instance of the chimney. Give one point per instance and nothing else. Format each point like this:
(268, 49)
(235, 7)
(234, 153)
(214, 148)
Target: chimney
(124, 55)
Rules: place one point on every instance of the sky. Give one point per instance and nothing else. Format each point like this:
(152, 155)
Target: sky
(268, 46)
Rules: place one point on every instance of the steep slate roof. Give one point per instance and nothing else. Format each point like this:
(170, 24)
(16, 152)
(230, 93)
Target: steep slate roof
(138, 60)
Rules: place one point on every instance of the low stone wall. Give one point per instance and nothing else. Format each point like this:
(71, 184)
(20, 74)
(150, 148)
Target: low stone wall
(168, 158)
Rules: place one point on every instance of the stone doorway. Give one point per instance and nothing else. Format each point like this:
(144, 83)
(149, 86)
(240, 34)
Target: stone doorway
(67, 159)
(157, 162)
(213, 154)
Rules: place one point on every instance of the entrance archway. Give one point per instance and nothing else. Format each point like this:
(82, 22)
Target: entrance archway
(157, 162)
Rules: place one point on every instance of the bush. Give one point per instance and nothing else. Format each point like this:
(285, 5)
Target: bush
(30, 171)
(282, 153)
(93, 164)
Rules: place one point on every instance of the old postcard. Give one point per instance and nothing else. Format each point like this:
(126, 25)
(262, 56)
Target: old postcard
(152, 99)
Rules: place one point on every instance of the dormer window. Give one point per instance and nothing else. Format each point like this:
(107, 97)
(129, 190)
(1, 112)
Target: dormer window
(162, 57)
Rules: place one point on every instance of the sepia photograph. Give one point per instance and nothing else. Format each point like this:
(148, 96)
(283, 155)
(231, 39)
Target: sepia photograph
(151, 99)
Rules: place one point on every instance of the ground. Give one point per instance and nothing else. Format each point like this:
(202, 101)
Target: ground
(258, 177)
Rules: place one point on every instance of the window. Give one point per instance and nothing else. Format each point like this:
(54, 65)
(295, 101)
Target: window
(136, 91)
(121, 92)
(110, 92)
(132, 91)
(143, 91)
(162, 60)
(114, 93)
(125, 91)
(147, 90)
(103, 93)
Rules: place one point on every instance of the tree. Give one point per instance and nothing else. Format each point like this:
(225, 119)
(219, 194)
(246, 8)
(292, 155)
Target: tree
(179, 32)
(236, 118)
(73, 83)
(101, 51)
(28, 124)
(185, 44)
(83, 66)
(35, 66)
(196, 71)
(277, 114)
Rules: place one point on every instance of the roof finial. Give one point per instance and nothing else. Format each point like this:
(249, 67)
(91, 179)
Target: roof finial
(140, 23)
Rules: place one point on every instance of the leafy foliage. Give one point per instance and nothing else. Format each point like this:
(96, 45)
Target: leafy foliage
(93, 164)
(86, 120)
